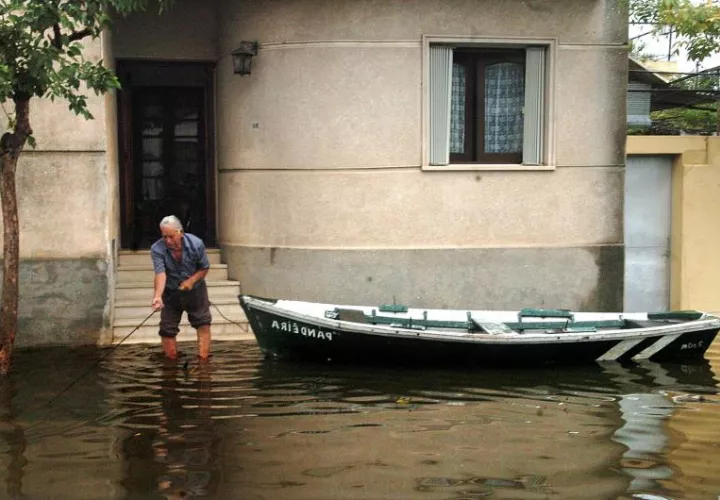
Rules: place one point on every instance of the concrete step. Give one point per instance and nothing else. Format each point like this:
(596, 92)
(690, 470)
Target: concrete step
(142, 257)
(148, 333)
(125, 274)
(138, 310)
(144, 290)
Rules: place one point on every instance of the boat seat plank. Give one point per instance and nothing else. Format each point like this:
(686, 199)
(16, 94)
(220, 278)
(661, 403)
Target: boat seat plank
(415, 323)
(545, 313)
(686, 315)
(567, 325)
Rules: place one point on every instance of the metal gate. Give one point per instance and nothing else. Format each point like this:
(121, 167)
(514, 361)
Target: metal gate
(648, 199)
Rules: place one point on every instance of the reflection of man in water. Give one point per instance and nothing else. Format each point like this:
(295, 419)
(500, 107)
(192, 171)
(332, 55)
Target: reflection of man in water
(179, 459)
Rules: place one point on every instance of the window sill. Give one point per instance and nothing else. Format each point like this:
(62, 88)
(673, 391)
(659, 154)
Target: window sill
(478, 166)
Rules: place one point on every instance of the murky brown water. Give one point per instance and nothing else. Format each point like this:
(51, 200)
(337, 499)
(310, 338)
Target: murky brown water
(244, 428)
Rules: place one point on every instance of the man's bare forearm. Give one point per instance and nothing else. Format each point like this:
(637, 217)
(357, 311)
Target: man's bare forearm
(197, 276)
(159, 284)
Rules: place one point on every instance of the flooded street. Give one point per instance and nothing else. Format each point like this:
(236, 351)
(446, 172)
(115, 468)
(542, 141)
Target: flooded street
(136, 427)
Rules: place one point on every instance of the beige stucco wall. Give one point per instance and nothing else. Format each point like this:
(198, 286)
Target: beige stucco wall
(187, 31)
(67, 204)
(695, 262)
(322, 147)
(338, 86)
(63, 185)
(408, 208)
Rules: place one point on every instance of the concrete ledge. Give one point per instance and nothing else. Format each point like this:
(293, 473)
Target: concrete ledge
(664, 144)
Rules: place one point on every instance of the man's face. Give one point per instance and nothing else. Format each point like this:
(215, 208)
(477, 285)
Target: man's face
(172, 237)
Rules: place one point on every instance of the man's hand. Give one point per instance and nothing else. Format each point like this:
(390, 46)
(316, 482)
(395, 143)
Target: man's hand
(186, 285)
(157, 303)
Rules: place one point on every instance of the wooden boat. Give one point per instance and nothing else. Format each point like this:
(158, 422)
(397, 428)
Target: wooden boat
(400, 335)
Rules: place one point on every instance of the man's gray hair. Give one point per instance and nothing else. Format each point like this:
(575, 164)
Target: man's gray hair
(172, 222)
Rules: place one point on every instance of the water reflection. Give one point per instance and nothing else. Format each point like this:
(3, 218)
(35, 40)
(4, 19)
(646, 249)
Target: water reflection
(646, 413)
(243, 427)
(176, 457)
(547, 432)
(12, 435)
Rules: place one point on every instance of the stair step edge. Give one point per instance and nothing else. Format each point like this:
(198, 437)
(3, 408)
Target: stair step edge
(223, 301)
(149, 267)
(147, 251)
(149, 284)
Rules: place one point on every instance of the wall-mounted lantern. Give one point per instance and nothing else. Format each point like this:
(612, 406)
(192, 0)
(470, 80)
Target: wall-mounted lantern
(242, 57)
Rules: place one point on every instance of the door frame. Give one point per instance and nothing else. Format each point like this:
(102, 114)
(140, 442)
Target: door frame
(143, 73)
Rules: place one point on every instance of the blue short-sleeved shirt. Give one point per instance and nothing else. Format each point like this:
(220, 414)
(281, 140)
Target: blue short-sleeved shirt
(193, 259)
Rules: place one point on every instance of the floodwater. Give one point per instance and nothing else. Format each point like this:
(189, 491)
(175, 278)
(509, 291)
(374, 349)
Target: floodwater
(122, 423)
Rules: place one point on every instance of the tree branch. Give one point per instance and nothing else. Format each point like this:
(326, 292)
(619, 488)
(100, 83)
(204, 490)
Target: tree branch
(79, 35)
(74, 36)
(57, 40)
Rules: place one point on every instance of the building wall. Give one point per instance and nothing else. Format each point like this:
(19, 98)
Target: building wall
(68, 191)
(187, 31)
(321, 194)
(64, 202)
(321, 191)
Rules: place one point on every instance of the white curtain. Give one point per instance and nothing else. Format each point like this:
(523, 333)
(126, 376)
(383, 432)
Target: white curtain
(457, 109)
(504, 100)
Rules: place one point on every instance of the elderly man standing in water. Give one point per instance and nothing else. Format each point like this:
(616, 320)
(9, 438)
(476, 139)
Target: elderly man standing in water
(181, 264)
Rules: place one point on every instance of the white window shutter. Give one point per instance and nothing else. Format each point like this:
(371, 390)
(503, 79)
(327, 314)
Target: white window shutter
(534, 110)
(440, 88)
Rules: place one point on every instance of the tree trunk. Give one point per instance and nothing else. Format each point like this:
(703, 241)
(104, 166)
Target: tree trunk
(11, 146)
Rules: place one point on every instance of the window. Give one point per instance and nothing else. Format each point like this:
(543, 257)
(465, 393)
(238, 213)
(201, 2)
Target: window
(486, 105)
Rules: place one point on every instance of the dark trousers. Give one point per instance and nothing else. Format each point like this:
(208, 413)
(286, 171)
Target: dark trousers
(195, 302)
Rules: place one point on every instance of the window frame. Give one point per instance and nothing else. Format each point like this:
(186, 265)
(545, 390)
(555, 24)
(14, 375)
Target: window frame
(501, 162)
(475, 61)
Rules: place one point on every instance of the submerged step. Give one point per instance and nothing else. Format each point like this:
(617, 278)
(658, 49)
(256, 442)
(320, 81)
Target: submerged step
(148, 334)
(139, 309)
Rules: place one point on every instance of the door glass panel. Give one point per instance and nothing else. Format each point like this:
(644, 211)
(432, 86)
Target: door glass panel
(152, 148)
(169, 160)
(153, 187)
(187, 128)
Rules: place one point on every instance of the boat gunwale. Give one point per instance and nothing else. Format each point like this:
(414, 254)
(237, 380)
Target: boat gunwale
(704, 323)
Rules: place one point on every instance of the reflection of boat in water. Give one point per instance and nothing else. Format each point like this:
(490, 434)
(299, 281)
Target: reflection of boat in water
(339, 381)
(648, 417)
(690, 376)
(395, 334)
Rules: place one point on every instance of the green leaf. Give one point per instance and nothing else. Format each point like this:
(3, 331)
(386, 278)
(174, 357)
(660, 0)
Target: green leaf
(695, 25)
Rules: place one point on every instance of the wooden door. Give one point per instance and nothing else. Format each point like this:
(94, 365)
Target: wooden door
(166, 146)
